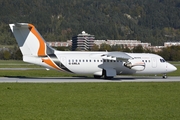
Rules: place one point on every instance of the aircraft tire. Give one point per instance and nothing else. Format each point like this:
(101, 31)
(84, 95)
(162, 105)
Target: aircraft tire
(164, 77)
(97, 76)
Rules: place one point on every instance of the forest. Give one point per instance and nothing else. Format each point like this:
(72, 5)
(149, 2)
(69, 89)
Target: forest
(154, 21)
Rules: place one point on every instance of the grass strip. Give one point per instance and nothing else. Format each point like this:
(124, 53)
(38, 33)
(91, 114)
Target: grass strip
(90, 101)
(34, 73)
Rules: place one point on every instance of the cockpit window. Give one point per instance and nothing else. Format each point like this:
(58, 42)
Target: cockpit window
(162, 60)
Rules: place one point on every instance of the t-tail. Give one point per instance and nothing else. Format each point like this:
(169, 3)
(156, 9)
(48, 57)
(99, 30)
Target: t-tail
(33, 47)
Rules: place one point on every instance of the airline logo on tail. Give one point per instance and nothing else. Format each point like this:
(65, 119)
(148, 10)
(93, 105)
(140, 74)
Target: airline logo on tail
(42, 45)
(42, 48)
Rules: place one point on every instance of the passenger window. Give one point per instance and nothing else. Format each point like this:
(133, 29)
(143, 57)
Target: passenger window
(86, 60)
(79, 60)
(89, 60)
(94, 60)
(97, 60)
(83, 60)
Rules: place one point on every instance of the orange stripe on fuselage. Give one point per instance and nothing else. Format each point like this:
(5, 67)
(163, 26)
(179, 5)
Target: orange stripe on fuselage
(50, 63)
(42, 46)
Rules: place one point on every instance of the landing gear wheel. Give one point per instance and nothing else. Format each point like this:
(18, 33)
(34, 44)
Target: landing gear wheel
(97, 76)
(109, 77)
(164, 76)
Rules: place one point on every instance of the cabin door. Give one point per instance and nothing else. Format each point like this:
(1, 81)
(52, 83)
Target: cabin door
(154, 62)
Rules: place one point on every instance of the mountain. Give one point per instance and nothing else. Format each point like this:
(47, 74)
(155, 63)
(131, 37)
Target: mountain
(154, 21)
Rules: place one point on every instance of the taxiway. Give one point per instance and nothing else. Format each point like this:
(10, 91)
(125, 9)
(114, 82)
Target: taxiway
(84, 79)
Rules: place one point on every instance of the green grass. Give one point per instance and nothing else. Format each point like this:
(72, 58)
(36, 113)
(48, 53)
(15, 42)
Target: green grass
(90, 101)
(16, 64)
(34, 73)
(175, 62)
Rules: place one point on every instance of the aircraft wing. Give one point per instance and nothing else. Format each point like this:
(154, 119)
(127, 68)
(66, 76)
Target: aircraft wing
(116, 56)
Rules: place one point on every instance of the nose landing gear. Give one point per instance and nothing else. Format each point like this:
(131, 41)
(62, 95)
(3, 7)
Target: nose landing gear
(164, 76)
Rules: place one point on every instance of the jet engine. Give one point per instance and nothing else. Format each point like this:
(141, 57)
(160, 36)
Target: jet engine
(138, 66)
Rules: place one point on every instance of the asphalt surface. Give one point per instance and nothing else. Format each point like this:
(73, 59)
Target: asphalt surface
(84, 79)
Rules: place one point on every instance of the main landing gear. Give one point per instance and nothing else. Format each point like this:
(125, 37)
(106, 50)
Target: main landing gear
(105, 75)
(97, 76)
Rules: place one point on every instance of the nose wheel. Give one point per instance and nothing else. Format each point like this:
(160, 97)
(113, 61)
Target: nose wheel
(164, 76)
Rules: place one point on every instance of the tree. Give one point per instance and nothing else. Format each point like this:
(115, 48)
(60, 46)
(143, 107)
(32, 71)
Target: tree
(171, 53)
(126, 49)
(95, 47)
(6, 55)
(116, 48)
(17, 55)
(105, 47)
(138, 49)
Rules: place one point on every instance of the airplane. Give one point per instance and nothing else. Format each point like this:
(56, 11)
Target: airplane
(105, 64)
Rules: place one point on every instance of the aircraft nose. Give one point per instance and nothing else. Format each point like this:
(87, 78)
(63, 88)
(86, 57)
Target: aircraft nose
(171, 68)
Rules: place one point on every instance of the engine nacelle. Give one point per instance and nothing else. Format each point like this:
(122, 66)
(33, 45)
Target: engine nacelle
(138, 66)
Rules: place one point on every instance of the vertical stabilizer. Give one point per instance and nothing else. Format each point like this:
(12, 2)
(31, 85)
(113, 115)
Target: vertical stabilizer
(29, 40)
